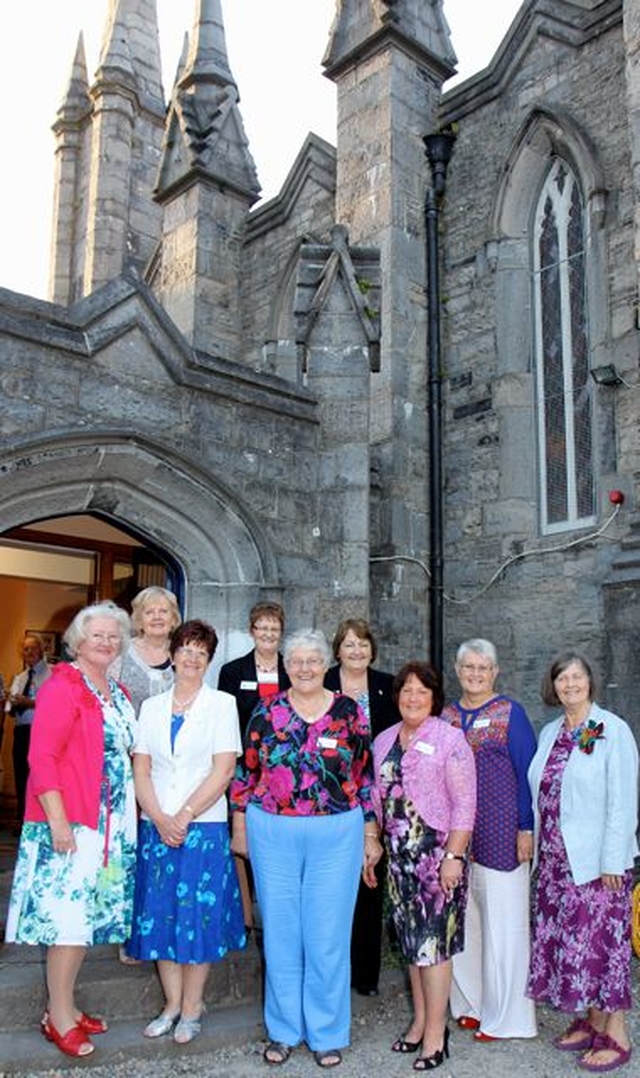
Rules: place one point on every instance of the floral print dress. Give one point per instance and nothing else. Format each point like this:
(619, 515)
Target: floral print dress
(581, 951)
(85, 897)
(429, 926)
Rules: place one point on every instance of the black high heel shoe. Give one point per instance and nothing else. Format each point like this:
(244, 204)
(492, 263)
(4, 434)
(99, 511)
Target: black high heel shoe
(429, 1063)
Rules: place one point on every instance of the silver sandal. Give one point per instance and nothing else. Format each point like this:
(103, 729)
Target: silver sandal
(160, 1026)
(187, 1029)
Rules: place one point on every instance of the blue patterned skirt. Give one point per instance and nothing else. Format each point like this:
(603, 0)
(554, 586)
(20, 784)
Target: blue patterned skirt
(187, 905)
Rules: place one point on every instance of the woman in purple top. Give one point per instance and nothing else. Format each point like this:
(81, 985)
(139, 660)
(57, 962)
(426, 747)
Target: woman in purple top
(489, 978)
(425, 794)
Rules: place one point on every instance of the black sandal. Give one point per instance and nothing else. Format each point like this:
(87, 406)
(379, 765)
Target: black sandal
(331, 1058)
(404, 1046)
(276, 1053)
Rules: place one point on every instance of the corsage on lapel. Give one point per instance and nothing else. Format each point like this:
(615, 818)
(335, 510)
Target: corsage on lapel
(587, 735)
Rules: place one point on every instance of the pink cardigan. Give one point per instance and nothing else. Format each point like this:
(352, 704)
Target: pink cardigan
(67, 748)
(438, 774)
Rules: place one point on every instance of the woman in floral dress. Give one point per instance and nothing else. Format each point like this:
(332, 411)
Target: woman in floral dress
(425, 793)
(584, 780)
(73, 883)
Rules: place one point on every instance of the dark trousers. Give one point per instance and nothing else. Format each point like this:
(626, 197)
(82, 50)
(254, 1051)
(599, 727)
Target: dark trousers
(366, 935)
(21, 739)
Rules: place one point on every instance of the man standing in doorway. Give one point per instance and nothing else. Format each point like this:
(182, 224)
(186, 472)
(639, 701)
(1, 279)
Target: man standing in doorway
(21, 704)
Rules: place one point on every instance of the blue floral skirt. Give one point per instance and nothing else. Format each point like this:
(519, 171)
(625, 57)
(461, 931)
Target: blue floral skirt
(187, 905)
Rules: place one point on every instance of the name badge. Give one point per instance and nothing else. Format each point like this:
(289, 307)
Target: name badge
(328, 742)
(425, 747)
(482, 724)
(249, 685)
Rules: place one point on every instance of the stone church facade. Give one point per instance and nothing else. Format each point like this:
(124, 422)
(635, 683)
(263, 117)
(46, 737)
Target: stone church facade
(246, 385)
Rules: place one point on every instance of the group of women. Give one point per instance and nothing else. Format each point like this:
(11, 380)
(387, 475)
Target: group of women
(347, 781)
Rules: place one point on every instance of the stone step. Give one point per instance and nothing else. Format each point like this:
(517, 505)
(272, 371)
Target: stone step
(106, 986)
(23, 1052)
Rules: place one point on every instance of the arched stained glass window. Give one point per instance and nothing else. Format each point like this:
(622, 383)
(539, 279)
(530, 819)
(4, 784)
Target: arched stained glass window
(565, 422)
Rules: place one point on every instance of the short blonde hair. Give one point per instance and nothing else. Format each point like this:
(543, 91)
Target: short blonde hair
(146, 596)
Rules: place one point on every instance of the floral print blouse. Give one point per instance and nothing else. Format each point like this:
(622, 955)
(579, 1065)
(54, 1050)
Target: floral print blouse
(296, 768)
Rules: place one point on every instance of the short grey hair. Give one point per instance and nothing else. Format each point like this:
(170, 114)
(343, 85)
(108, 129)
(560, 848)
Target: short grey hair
(480, 647)
(313, 639)
(78, 630)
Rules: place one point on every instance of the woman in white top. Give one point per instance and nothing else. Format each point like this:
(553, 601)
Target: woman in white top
(187, 908)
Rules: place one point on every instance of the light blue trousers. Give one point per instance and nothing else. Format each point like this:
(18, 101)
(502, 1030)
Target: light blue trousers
(306, 871)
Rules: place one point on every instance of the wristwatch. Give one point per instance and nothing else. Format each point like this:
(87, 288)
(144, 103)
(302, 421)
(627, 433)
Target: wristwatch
(454, 856)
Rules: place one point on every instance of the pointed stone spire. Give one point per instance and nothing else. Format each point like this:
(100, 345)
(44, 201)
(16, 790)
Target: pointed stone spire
(417, 26)
(131, 45)
(71, 131)
(122, 222)
(205, 133)
(76, 101)
(206, 185)
(207, 60)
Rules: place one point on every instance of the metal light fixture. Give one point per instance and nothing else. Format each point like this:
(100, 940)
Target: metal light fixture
(608, 375)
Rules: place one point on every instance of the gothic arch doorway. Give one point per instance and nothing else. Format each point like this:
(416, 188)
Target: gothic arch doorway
(218, 555)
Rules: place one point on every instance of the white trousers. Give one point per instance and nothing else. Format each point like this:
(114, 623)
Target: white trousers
(490, 975)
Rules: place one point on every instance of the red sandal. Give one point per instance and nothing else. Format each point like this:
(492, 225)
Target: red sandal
(73, 1043)
(86, 1022)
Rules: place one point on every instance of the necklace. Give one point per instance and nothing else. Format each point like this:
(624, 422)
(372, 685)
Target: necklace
(184, 704)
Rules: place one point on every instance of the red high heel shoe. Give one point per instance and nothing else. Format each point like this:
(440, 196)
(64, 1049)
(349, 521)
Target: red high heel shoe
(73, 1043)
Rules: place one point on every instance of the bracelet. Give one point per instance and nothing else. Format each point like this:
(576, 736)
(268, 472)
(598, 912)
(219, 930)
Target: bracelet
(187, 808)
(454, 856)
(370, 834)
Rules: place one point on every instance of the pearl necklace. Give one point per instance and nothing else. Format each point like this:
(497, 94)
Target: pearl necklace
(184, 705)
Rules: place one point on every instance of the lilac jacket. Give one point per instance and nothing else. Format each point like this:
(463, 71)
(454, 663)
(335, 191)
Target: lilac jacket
(438, 774)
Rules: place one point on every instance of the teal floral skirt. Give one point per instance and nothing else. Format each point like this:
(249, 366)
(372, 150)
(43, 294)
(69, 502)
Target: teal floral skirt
(77, 899)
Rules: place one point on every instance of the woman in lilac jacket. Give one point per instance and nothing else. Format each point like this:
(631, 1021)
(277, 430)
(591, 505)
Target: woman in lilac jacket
(425, 798)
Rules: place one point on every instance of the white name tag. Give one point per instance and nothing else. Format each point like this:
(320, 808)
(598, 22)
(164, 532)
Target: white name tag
(327, 742)
(482, 724)
(425, 747)
(249, 685)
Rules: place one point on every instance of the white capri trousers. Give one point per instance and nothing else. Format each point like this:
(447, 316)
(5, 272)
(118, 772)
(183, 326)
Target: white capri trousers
(490, 975)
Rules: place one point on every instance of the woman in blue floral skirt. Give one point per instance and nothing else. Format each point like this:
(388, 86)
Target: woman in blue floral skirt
(187, 908)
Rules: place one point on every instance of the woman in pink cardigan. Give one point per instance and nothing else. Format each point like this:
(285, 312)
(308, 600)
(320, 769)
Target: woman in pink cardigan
(425, 797)
(73, 882)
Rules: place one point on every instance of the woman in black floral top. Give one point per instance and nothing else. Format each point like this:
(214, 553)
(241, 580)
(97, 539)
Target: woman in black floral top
(301, 797)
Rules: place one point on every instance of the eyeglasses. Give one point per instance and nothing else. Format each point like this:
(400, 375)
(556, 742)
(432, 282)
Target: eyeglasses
(299, 664)
(104, 638)
(197, 655)
(272, 630)
(470, 669)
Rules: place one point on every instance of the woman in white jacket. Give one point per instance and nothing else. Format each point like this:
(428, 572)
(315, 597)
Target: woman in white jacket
(187, 908)
(584, 781)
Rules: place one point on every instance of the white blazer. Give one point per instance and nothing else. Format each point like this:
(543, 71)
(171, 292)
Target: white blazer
(210, 727)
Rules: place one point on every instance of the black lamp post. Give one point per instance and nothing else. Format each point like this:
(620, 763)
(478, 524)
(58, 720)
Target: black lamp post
(438, 148)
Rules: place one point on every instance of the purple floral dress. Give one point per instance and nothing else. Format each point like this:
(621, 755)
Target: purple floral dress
(429, 927)
(581, 951)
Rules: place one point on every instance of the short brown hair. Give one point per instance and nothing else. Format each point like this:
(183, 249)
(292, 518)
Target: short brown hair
(557, 667)
(194, 632)
(429, 677)
(266, 609)
(361, 628)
